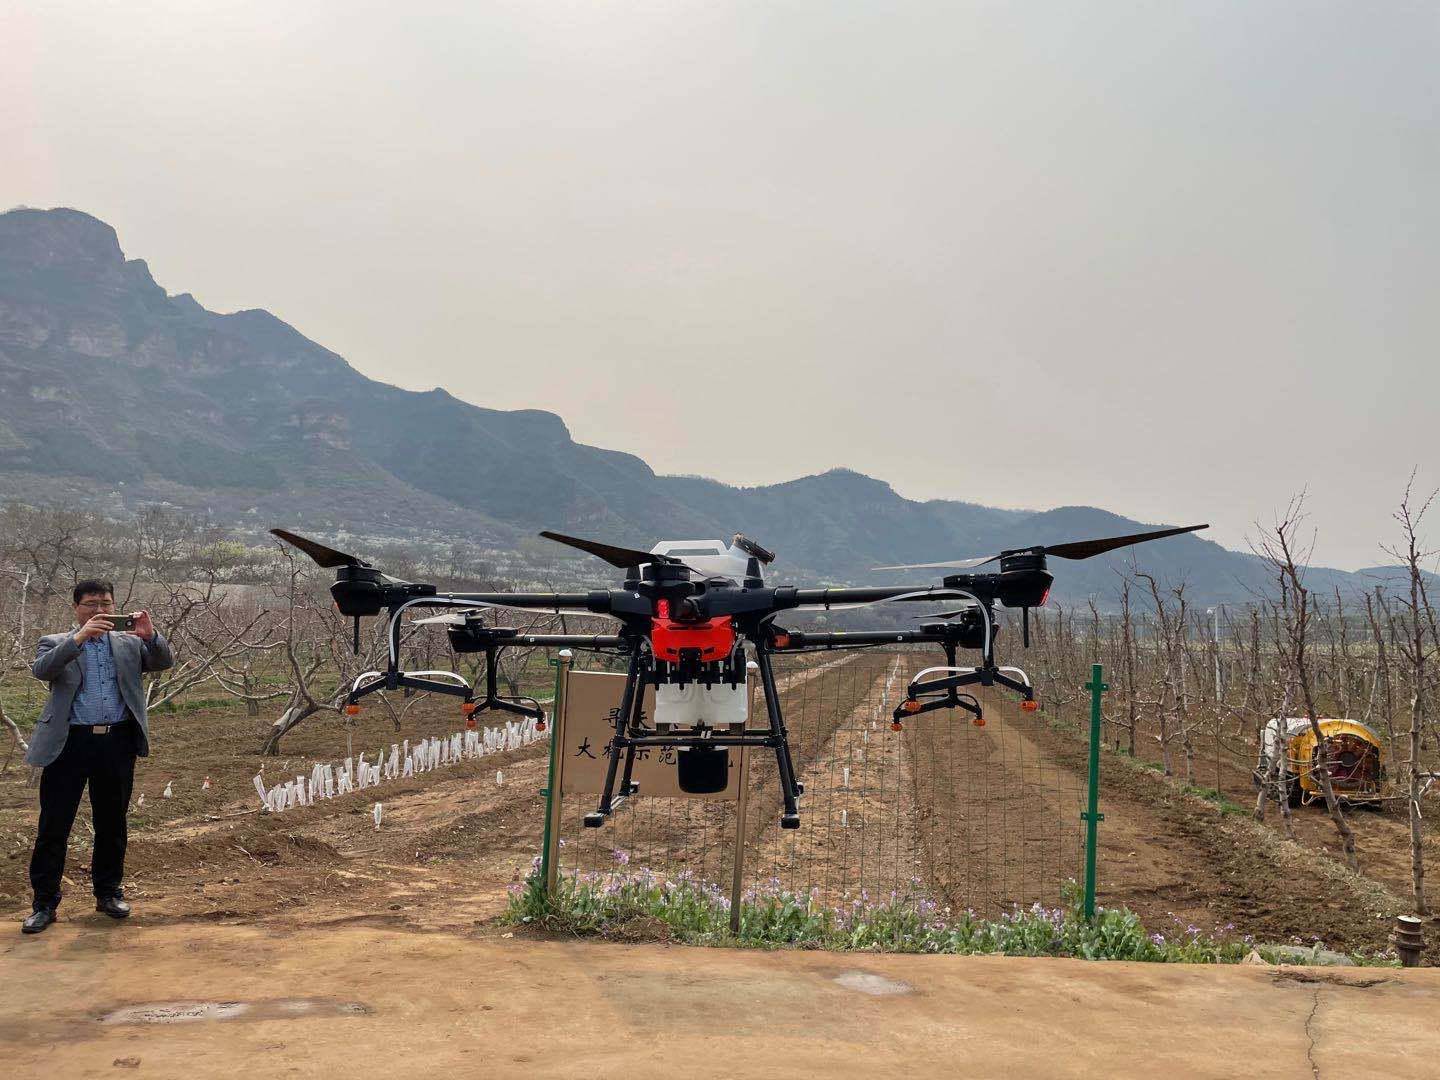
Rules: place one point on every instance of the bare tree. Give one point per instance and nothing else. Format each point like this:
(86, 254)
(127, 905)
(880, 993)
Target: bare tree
(1272, 779)
(14, 650)
(1168, 700)
(303, 658)
(1278, 546)
(1382, 689)
(1417, 654)
(1127, 645)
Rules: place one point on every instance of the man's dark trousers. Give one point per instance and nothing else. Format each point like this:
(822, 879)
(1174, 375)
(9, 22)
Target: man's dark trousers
(107, 763)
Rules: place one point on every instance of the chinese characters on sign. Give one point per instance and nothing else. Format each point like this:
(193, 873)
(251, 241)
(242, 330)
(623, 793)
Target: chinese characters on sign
(591, 702)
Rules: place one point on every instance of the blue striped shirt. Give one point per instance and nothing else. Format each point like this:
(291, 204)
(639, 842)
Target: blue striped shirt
(98, 700)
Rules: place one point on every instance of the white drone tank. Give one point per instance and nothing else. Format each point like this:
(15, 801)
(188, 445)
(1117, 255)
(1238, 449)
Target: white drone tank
(694, 705)
(713, 558)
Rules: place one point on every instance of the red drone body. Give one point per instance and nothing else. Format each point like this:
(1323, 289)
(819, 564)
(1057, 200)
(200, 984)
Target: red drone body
(708, 639)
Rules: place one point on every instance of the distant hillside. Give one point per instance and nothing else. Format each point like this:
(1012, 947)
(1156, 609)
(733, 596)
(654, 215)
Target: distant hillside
(115, 393)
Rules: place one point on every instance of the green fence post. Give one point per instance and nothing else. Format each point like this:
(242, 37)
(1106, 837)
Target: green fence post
(1092, 814)
(561, 665)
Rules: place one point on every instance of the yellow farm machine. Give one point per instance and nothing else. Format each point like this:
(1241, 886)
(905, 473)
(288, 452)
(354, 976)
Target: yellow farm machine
(1289, 753)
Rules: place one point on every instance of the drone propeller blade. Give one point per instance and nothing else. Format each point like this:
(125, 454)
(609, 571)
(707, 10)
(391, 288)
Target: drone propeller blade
(1076, 549)
(1085, 549)
(954, 564)
(620, 557)
(324, 556)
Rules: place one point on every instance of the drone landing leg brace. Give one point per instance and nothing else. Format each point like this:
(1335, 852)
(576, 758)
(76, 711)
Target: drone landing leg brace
(626, 717)
(790, 788)
(393, 679)
(630, 735)
(919, 697)
(493, 700)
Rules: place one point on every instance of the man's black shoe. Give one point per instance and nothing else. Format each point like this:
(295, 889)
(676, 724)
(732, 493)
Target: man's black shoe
(37, 920)
(113, 906)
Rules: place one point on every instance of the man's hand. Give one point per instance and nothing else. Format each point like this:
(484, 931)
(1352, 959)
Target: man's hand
(98, 624)
(144, 628)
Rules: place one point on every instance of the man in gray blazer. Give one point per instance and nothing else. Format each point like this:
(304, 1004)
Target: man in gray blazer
(91, 730)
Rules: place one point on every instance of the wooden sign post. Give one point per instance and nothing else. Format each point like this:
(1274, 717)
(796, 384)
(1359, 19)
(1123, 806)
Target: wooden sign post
(553, 802)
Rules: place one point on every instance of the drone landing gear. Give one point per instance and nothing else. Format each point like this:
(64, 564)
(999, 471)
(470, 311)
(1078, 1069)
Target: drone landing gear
(914, 706)
(493, 702)
(626, 716)
(790, 788)
(595, 818)
(395, 679)
(629, 736)
(921, 696)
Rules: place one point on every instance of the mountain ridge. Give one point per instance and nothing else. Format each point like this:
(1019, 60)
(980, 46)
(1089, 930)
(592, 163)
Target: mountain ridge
(114, 390)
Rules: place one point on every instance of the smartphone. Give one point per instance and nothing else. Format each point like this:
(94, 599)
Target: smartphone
(121, 624)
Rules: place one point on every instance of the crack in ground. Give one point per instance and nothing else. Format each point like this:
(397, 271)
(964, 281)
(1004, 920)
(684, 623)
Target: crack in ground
(1310, 1034)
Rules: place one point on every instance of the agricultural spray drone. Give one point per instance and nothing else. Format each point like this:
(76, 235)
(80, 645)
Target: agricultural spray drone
(688, 611)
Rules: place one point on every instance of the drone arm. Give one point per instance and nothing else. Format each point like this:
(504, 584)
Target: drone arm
(596, 602)
(840, 639)
(870, 595)
(570, 641)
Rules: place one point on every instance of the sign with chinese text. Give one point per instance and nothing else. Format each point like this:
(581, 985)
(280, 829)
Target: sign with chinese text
(592, 699)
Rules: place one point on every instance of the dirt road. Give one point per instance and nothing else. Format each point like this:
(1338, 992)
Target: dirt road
(192, 1001)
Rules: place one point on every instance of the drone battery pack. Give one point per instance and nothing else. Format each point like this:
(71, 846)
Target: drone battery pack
(703, 770)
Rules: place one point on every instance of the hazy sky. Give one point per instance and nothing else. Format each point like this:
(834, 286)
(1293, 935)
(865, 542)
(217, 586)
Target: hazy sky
(1171, 259)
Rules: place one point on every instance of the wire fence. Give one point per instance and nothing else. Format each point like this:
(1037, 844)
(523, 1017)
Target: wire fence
(946, 811)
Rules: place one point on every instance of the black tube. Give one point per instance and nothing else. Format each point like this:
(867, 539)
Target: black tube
(597, 601)
(576, 641)
(839, 638)
(837, 597)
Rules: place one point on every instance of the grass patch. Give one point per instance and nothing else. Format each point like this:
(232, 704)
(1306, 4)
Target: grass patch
(698, 913)
(1219, 799)
(188, 704)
